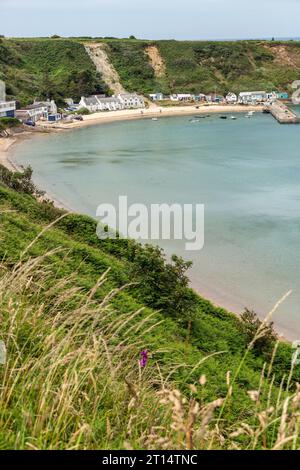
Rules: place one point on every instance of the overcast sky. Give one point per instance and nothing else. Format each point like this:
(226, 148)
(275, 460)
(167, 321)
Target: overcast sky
(179, 19)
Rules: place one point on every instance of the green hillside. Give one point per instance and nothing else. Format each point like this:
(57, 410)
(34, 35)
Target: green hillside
(47, 68)
(75, 314)
(223, 66)
(202, 66)
(62, 68)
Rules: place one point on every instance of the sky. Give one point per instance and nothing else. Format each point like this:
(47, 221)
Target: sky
(152, 19)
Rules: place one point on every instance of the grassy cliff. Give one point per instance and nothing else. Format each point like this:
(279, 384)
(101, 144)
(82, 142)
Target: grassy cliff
(75, 314)
(62, 68)
(47, 68)
(202, 66)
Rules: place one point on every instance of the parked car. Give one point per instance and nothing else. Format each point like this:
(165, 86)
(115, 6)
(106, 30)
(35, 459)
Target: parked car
(78, 118)
(29, 122)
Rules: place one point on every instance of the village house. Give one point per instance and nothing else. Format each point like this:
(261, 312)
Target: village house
(54, 117)
(7, 108)
(281, 95)
(252, 97)
(214, 98)
(91, 103)
(100, 103)
(33, 112)
(271, 97)
(50, 105)
(157, 97)
(110, 104)
(131, 100)
(182, 97)
(231, 98)
(201, 97)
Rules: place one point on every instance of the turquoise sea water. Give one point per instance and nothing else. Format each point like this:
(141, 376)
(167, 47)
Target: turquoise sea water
(297, 109)
(246, 172)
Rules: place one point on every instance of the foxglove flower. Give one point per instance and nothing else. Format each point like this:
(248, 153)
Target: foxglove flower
(144, 358)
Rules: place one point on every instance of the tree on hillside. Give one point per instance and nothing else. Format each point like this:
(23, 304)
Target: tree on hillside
(164, 286)
(250, 324)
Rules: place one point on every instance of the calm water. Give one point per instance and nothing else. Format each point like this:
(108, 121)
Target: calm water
(246, 172)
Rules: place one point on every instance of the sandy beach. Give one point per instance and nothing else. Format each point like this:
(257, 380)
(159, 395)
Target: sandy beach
(152, 112)
(5, 145)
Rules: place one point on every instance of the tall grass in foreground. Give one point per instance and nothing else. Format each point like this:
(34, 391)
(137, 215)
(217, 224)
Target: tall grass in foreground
(72, 380)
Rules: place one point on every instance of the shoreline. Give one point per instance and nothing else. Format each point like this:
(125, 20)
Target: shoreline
(152, 112)
(8, 144)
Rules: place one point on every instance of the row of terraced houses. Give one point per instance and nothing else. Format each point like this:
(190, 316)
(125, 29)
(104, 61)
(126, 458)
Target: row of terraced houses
(247, 97)
(112, 103)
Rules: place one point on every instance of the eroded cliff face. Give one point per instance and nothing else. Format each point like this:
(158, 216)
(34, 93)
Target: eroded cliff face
(156, 61)
(110, 76)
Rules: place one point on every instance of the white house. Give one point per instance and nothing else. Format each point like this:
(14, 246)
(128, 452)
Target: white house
(33, 112)
(51, 105)
(272, 96)
(182, 97)
(131, 100)
(7, 108)
(101, 103)
(156, 96)
(231, 98)
(110, 104)
(252, 97)
(91, 103)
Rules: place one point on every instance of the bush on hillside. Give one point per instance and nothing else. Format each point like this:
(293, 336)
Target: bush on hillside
(83, 111)
(7, 122)
(249, 326)
(19, 181)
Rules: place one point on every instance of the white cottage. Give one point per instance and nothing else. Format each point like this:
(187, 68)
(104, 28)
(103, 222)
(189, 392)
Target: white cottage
(51, 105)
(182, 97)
(33, 112)
(7, 108)
(252, 97)
(110, 104)
(91, 103)
(131, 100)
(231, 98)
(157, 96)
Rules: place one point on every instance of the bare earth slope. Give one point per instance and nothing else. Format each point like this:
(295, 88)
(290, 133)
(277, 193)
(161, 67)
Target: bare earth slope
(156, 61)
(110, 76)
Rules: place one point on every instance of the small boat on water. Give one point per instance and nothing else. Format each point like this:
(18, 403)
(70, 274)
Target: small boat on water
(234, 118)
(250, 114)
(194, 120)
(154, 119)
(223, 117)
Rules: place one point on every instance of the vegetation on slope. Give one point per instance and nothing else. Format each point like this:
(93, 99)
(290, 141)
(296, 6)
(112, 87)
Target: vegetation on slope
(8, 123)
(132, 64)
(75, 314)
(207, 66)
(61, 68)
(47, 69)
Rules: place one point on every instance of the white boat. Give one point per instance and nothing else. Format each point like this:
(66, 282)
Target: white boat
(250, 114)
(233, 118)
(154, 119)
